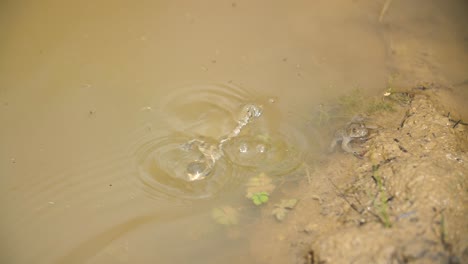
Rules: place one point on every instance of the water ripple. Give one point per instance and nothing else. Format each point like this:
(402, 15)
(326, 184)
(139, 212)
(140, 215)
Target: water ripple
(269, 144)
(162, 170)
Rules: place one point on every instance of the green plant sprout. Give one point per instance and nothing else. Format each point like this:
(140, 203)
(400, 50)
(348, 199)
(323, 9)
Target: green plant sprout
(443, 230)
(260, 198)
(382, 206)
(379, 105)
(259, 184)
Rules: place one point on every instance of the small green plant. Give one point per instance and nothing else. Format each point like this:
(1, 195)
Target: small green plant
(259, 184)
(382, 205)
(443, 229)
(401, 97)
(260, 198)
(379, 105)
(259, 189)
(356, 102)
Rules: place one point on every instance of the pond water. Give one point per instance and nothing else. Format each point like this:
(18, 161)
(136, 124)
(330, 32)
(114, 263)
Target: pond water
(97, 100)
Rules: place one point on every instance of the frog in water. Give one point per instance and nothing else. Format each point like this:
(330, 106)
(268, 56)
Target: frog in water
(203, 166)
(356, 129)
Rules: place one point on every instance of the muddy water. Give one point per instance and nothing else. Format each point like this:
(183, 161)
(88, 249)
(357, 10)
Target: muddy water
(97, 98)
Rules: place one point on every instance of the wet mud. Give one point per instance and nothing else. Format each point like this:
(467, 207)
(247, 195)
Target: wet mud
(404, 201)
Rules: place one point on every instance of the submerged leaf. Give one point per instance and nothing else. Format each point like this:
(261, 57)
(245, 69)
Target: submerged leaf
(256, 200)
(282, 208)
(225, 215)
(279, 213)
(287, 203)
(260, 198)
(259, 184)
(264, 198)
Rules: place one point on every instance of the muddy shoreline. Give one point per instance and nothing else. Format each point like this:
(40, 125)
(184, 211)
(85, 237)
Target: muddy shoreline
(403, 202)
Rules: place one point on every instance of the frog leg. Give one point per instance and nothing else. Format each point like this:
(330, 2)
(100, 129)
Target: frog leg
(345, 145)
(333, 145)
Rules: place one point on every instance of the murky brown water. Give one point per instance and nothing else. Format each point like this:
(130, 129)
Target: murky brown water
(96, 97)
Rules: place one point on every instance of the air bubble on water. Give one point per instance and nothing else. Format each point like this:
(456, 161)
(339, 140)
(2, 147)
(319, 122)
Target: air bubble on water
(146, 109)
(243, 148)
(260, 148)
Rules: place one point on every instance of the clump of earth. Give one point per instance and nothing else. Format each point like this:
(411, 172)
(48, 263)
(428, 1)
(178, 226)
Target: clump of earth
(402, 201)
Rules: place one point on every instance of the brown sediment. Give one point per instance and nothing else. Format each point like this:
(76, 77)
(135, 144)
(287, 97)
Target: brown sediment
(398, 204)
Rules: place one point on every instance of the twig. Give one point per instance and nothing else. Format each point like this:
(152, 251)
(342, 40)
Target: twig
(407, 115)
(459, 122)
(342, 195)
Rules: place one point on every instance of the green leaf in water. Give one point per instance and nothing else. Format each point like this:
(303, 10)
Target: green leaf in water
(260, 198)
(259, 184)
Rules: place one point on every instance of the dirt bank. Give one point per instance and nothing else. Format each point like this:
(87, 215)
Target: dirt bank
(403, 202)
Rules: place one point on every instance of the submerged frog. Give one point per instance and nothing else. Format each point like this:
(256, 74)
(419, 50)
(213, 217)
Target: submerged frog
(203, 166)
(356, 129)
